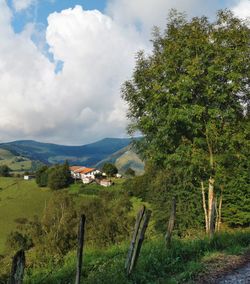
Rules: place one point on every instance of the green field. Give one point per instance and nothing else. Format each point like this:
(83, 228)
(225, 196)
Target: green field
(19, 198)
(24, 199)
(15, 163)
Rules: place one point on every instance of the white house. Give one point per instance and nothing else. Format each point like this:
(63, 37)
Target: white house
(84, 173)
(28, 177)
(106, 182)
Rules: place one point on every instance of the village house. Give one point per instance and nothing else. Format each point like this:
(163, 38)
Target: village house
(28, 177)
(87, 175)
(106, 182)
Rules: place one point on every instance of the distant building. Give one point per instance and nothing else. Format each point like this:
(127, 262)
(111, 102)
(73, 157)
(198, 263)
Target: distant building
(28, 177)
(106, 182)
(83, 173)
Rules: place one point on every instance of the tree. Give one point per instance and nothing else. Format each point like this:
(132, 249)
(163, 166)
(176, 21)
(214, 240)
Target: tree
(56, 177)
(109, 169)
(42, 176)
(4, 171)
(190, 99)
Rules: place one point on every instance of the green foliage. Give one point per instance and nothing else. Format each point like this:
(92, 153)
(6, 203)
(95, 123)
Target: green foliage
(56, 177)
(159, 187)
(42, 176)
(56, 232)
(16, 241)
(190, 100)
(109, 216)
(59, 177)
(4, 171)
(109, 169)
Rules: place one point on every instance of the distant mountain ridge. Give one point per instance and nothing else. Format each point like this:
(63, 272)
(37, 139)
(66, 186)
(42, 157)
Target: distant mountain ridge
(88, 155)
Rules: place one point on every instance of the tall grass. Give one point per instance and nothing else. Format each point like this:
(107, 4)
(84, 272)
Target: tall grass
(157, 264)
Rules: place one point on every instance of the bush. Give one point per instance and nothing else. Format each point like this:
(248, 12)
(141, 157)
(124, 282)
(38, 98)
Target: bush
(4, 171)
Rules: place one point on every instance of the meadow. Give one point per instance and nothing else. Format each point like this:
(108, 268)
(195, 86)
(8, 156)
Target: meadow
(19, 199)
(24, 199)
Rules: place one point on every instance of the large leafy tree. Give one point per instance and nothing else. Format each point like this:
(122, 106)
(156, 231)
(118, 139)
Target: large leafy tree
(190, 100)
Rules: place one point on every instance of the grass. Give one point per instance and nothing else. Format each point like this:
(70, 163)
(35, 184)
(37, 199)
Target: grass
(19, 198)
(183, 262)
(15, 163)
(24, 199)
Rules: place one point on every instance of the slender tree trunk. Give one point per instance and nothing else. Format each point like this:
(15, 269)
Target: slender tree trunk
(210, 204)
(204, 205)
(219, 210)
(212, 219)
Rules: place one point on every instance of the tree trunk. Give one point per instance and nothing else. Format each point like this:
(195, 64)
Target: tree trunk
(171, 223)
(204, 205)
(212, 219)
(219, 211)
(210, 204)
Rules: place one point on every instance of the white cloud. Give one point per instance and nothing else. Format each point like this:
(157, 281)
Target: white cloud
(242, 9)
(21, 5)
(146, 14)
(82, 102)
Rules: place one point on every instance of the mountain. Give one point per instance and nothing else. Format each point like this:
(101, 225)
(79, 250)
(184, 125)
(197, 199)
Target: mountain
(87, 155)
(124, 159)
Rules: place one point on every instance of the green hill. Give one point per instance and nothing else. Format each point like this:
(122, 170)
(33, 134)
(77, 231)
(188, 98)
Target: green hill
(48, 153)
(124, 159)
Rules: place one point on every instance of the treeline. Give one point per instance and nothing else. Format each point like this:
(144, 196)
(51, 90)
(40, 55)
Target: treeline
(56, 177)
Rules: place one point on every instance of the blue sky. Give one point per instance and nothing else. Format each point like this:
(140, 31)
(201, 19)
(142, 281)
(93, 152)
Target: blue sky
(39, 12)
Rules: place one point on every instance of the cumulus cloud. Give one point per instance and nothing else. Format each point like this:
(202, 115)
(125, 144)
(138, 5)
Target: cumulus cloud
(242, 9)
(82, 102)
(21, 5)
(146, 14)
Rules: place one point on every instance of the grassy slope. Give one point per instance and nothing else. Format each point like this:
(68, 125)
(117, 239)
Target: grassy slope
(19, 198)
(183, 262)
(13, 162)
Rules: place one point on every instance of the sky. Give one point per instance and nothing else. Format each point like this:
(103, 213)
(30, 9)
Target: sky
(63, 62)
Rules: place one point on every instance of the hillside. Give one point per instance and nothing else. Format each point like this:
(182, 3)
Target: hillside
(124, 159)
(88, 155)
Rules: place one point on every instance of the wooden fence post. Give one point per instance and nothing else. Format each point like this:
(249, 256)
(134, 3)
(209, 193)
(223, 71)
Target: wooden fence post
(80, 249)
(17, 269)
(133, 241)
(136, 253)
(171, 222)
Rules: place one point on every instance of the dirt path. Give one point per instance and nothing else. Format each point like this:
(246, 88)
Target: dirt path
(241, 276)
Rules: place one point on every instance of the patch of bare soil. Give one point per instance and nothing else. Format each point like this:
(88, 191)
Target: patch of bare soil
(226, 269)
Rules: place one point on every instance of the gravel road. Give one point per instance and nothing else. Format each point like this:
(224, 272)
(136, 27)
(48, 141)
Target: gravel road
(238, 276)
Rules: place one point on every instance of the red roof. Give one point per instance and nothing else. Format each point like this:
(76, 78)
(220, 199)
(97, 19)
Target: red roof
(74, 168)
(86, 170)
